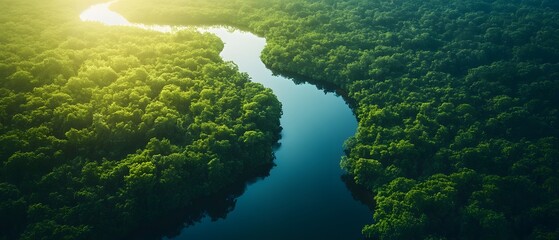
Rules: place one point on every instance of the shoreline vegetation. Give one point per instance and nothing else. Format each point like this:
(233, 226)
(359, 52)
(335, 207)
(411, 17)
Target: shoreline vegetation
(457, 102)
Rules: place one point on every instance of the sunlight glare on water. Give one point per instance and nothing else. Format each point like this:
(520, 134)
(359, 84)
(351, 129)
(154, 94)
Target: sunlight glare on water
(102, 14)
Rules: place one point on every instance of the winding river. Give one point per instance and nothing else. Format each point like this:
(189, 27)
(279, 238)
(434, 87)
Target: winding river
(304, 196)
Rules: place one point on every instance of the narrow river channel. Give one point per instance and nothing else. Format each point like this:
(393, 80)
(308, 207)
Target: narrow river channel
(304, 196)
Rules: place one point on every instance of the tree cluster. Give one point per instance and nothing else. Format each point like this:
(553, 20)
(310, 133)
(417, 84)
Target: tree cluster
(105, 128)
(456, 100)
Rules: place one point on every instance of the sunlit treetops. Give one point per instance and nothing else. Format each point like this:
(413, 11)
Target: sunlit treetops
(105, 128)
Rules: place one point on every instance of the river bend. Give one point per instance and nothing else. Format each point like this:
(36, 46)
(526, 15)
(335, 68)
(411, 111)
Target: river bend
(304, 196)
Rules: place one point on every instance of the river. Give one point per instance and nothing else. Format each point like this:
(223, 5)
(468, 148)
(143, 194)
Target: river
(304, 196)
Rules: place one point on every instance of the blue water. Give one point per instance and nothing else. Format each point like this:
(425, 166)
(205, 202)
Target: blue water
(303, 197)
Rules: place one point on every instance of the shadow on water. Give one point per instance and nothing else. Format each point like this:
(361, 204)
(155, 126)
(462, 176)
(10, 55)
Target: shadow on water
(219, 205)
(214, 207)
(327, 87)
(358, 192)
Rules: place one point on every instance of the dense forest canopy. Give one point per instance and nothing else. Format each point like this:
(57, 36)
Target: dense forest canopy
(456, 100)
(105, 128)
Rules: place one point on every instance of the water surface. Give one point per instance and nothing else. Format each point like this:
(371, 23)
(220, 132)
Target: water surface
(303, 197)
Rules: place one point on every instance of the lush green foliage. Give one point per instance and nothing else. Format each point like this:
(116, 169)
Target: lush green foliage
(104, 128)
(457, 102)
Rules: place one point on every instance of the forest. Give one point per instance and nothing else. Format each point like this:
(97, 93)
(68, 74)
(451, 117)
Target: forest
(457, 102)
(105, 129)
